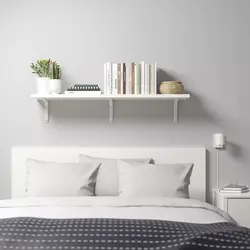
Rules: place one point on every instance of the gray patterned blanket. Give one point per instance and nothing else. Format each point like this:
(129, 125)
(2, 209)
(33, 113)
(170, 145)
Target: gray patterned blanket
(118, 234)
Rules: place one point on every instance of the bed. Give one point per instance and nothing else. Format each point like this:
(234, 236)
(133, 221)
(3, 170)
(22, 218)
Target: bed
(121, 222)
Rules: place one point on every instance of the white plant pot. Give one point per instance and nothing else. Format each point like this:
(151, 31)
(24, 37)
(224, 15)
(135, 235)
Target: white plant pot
(42, 85)
(55, 86)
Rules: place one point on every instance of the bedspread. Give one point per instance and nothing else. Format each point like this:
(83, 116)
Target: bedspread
(119, 234)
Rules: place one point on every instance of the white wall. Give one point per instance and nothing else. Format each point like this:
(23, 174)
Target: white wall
(204, 43)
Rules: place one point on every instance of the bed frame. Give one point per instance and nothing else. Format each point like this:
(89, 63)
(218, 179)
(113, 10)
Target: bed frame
(196, 155)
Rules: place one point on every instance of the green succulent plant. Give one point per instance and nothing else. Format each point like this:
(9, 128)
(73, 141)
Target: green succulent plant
(41, 68)
(55, 71)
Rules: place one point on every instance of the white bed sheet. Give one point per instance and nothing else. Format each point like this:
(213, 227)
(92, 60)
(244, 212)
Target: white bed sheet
(173, 209)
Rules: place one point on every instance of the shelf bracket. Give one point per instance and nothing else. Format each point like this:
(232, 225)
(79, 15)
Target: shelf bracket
(45, 104)
(176, 104)
(111, 111)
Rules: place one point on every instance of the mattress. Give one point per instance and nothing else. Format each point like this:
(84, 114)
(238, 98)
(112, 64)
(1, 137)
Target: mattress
(174, 209)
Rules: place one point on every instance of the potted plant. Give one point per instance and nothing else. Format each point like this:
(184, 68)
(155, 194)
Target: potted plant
(55, 83)
(41, 68)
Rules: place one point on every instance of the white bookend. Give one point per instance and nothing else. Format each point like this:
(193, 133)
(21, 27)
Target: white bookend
(155, 75)
(114, 78)
(127, 78)
(142, 77)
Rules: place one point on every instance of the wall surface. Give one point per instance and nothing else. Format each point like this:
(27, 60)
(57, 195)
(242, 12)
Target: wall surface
(204, 43)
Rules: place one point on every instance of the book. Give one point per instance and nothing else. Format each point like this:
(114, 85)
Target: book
(83, 93)
(128, 79)
(105, 79)
(153, 79)
(121, 76)
(235, 187)
(132, 78)
(149, 79)
(124, 78)
(135, 80)
(109, 78)
(114, 79)
(235, 191)
(146, 79)
(138, 78)
(142, 78)
(84, 87)
(118, 78)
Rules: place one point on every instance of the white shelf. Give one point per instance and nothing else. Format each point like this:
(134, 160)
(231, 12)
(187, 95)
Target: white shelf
(44, 100)
(113, 97)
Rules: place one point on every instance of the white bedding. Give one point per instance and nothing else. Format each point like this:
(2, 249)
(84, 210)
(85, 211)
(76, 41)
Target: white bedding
(174, 209)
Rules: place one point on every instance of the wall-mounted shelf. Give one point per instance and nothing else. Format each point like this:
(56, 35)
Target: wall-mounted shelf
(44, 100)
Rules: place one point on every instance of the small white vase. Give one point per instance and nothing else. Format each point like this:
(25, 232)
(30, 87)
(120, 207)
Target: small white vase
(55, 86)
(42, 85)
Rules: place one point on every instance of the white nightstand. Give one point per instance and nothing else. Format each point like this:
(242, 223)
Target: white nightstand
(237, 205)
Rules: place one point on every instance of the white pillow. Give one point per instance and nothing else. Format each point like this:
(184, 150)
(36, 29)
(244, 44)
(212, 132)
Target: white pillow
(60, 179)
(107, 183)
(163, 180)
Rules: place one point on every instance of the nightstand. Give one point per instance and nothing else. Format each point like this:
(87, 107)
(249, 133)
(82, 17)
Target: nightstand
(237, 205)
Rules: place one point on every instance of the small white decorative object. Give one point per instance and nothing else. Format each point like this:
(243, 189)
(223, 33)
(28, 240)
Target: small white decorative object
(42, 85)
(55, 86)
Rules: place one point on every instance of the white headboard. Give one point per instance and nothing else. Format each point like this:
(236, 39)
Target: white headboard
(196, 155)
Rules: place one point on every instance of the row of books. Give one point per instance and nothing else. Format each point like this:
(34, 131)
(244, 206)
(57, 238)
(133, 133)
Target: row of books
(130, 78)
(234, 188)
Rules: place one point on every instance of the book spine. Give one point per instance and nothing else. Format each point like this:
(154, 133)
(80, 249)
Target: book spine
(231, 189)
(235, 192)
(121, 80)
(143, 78)
(105, 79)
(109, 78)
(155, 79)
(118, 78)
(138, 78)
(114, 79)
(127, 79)
(124, 78)
(234, 189)
(83, 93)
(146, 79)
(133, 78)
(149, 80)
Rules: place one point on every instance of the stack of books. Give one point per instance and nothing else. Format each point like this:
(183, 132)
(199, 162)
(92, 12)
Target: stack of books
(130, 78)
(234, 188)
(84, 89)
